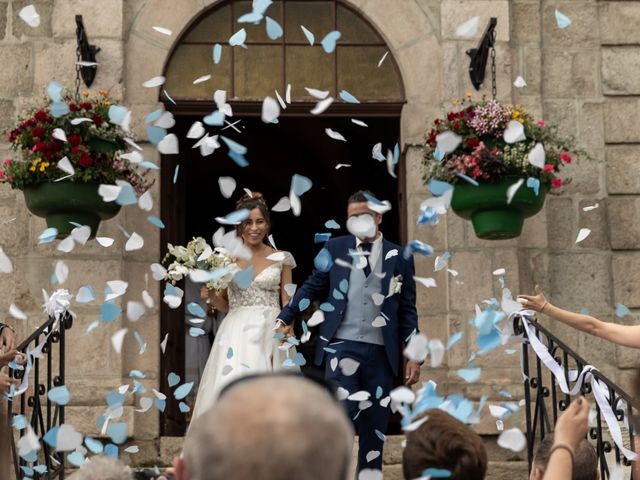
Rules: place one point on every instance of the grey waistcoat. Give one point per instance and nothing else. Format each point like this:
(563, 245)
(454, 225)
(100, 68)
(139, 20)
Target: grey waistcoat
(360, 310)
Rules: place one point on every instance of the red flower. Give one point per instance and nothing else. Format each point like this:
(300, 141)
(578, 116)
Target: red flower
(7, 162)
(74, 139)
(548, 167)
(97, 120)
(473, 143)
(86, 105)
(41, 116)
(451, 116)
(75, 149)
(541, 123)
(456, 127)
(85, 160)
(432, 137)
(37, 132)
(40, 147)
(556, 182)
(73, 107)
(1, 174)
(565, 157)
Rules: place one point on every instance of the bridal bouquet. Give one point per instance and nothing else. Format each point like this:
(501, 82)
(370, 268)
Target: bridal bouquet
(197, 255)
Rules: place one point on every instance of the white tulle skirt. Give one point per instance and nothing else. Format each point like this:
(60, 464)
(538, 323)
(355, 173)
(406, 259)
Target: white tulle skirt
(244, 345)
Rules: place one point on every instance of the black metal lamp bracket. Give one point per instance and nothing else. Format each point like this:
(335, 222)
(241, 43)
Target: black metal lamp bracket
(480, 55)
(85, 53)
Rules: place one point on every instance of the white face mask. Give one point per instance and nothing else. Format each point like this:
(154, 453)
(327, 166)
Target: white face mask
(362, 226)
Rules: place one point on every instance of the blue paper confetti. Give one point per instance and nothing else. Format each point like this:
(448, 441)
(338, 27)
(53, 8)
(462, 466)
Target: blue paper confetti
(323, 261)
(173, 379)
(337, 294)
(195, 309)
(76, 458)
(117, 114)
(300, 184)
(182, 391)
(156, 134)
(215, 118)
(160, 404)
(109, 312)
(453, 339)
(416, 246)
(379, 392)
(54, 90)
(217, 53)
(155, 221)
(438, 154)
(304, 304)
(428, 216)
(59, 109)
(436, 473)
(467, 179)
(274, 30)
(321, 237)
(622, 310)
(238, 158)
(184, 408)
(127, 195)
(244, 278)
(347, 97)
(331, 224)
(329, 41)
(534, 184)
(234, 146)
(94, 445)
(175, 174)
(470, 375)
(115, 399)
(48, 235)
(59, 395)
(153, 116)
(118, 432)
(136, 374)
(327, 307)
(110, 450)
(344, 285)
(438, 187)
(19, 422)
(51, 437)
(562, 20)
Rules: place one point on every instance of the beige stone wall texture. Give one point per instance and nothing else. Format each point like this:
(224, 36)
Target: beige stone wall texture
(583, 77)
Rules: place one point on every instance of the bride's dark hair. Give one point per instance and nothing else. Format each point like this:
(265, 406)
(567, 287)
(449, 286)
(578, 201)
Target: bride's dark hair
(250, 202)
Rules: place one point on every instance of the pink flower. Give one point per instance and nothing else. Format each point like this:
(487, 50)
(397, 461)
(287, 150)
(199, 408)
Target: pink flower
(541, 123)
(7, 162)
(565, 157)
(556, 182)
(548, 167)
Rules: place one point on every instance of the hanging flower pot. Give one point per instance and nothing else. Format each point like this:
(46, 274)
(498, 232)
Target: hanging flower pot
(487, 206)
(481, 149)
(67, 148)
(64, 204)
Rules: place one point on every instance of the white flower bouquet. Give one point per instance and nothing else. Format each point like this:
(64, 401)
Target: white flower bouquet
(198, 256)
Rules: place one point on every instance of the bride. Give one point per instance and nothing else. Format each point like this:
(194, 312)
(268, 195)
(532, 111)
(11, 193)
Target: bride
(246, 342)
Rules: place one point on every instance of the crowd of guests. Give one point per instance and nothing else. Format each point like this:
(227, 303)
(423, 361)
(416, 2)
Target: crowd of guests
(283, 426)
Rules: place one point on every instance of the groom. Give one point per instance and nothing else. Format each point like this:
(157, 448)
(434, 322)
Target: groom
(369, 297)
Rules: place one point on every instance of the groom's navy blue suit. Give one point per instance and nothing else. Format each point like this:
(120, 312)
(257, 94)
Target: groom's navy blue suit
(379, 353)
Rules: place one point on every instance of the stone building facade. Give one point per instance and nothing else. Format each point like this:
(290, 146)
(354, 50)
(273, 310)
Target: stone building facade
(583, 77)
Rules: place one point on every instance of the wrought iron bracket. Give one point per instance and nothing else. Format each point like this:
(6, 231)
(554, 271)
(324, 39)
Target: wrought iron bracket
(480, 55)
(86, 53)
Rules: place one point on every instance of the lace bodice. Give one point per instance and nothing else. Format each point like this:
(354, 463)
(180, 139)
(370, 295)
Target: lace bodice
(264, 291)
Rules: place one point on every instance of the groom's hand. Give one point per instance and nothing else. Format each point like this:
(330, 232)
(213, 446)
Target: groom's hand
(286, 330)
(411, 373)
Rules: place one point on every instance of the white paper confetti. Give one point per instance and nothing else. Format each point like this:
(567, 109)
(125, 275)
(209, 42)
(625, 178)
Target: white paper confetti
(537, 156)
(448, 141)
(514, 132)
(335, 135)
(117, 339)
(16, 313)
(322, 106)
(513, 189)
(162, 30)
(270, 110)
(512, 439)
(519, 82)
(30, 16)
(154, 82)
(135, 242)
(468, 29)
(582, 234)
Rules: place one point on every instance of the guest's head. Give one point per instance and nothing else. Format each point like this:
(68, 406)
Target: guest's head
(255, 229)
(585, 462)
(274, 427)
(442, 442)
(359, 207)
(102, 468)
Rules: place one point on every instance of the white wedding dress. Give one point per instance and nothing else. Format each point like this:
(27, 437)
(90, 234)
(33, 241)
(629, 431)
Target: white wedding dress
(245, 342)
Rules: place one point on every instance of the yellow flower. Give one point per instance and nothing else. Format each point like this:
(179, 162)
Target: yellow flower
(103, 93)
(468, 94)
(85, 94)
(455, 101)
(32, 168)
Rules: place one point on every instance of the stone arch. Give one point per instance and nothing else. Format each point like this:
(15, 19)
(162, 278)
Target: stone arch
(408, 33)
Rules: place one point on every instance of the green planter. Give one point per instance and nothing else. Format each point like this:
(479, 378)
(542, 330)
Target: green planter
(486, 206)
(63, 202)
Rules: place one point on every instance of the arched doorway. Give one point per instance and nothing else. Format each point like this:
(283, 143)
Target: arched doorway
(360, 64)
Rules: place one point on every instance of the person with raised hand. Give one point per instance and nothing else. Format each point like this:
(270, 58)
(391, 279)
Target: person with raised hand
(625, 335)
(571, 428)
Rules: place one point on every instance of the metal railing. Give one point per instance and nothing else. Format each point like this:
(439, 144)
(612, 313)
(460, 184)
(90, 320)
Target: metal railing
(47, 372)
(545, 400)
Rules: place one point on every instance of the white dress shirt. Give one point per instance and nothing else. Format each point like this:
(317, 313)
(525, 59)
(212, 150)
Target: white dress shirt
(376, 249)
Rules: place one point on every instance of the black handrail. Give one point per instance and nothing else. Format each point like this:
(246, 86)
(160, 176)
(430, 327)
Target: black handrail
(544, 399)
(41, 413)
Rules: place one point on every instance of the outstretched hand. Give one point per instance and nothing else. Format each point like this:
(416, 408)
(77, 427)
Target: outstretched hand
(572, 426)
(535, 302)
(411, 373)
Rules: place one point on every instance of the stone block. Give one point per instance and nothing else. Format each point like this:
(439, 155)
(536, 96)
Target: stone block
(622, 163)
(456, 230)
(21, 28)
(625, 267)
(416, 118)
(595, 220)
(534, 231)
(144, 60)
(474, 270)
(153, 13)
(90, 353)
(102, 19)
(527, 63)
(3, 21)
(509, 259)
(591, 128)
(526, 22)
(431, 300)
(55, 61)
(570, 74)
(618, 66)
(617, 112)
(451, 67)
(598, 352)
(90, 390)
(433, 235)
(7, 114)
(580, 280)
(563, 113)
(456, 12)
(18, 79)
(404, 27)
(435, 326)
(583, 29)
(561, 222)
(414, 59)
(627, 380)
(414, 171)
(624, 221)
(618, 22)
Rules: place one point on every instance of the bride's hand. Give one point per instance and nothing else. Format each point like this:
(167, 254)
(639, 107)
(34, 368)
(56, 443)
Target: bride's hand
(204, 293)
(535, 302)
(286, 330)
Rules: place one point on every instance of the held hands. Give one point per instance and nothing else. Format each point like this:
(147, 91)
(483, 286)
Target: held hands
(411, 373)
(536, 302)
(7, 357)
(286, 330)
(573, 424)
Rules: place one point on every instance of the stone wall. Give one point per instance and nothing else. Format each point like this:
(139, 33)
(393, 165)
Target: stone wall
(583, 77)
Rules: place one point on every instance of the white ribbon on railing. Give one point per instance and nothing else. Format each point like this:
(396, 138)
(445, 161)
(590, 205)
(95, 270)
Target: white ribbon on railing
(599, 392)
